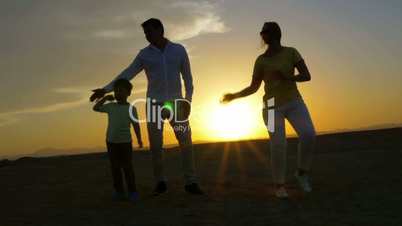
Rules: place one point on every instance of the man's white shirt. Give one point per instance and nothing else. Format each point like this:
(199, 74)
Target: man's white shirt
(163, 69)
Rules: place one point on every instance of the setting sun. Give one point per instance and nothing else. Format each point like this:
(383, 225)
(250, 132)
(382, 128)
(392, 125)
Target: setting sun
(231, 121)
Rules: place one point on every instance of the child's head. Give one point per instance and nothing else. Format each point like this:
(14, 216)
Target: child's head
(122, 89)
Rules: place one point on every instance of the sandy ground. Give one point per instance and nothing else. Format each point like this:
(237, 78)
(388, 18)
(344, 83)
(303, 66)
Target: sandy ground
(357, 180)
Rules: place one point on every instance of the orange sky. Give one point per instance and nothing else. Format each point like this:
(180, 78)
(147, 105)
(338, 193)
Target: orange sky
(53, 54)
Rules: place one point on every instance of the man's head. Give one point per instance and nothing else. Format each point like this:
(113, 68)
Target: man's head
(153, 30)
(122, 89)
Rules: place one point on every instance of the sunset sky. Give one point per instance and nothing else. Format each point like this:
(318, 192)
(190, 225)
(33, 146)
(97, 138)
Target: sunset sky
(54, 52)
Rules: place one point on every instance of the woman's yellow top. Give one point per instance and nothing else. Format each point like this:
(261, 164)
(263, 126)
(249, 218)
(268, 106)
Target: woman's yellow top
(284, 61)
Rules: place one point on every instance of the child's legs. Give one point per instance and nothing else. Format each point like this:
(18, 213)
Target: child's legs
(277, 146)
(117, 177)
(127, 164)
(299, 117)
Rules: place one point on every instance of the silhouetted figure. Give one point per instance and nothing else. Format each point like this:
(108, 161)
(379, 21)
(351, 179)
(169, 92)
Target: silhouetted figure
(118, 138)
(163, 62)
(276, 68)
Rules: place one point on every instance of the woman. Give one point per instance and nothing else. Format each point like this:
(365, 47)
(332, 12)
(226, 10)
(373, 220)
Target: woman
(276, 68)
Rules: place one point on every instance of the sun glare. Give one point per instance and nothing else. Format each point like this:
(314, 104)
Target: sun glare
(231, 121)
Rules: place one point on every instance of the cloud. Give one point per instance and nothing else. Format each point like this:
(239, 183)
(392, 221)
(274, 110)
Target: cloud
(203, 19)
(7, 118)
(72, 29)
(182, 19)
(110, 34)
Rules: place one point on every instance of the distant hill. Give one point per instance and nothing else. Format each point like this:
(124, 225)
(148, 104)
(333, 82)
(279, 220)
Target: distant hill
(353, 138)
(61, 151)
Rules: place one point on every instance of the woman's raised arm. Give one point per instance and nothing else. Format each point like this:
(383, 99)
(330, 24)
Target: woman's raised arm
(252, 88)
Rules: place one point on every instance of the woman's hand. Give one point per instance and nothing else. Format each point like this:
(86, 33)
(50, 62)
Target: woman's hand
(228, 97)
(252, 88)
(277, 76)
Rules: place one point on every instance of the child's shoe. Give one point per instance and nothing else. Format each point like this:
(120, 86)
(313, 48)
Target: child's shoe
(193, 189)
(133, 196)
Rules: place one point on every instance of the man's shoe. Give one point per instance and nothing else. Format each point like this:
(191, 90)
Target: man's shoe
(160, 188)
(193, 189)
(118, 196)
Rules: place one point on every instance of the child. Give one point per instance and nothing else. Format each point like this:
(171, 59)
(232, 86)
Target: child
(118, 138)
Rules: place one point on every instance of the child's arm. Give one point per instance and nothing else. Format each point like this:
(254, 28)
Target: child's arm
(97, 107)
(137, 131)
(136, 126)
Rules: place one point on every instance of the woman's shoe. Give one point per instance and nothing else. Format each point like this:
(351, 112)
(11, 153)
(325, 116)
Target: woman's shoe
(304, 182)
(281, 193)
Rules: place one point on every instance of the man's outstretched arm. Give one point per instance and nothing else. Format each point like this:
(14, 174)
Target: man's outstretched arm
(129, 73)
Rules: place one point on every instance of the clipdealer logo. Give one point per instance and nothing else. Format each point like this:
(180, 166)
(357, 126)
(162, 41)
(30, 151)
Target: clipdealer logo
(156, 111)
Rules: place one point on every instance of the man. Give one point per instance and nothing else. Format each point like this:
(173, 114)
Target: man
(163, 61)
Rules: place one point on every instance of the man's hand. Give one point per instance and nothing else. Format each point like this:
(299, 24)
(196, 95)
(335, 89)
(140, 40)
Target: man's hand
(228, 97)
(184, 109)
(98, 93)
